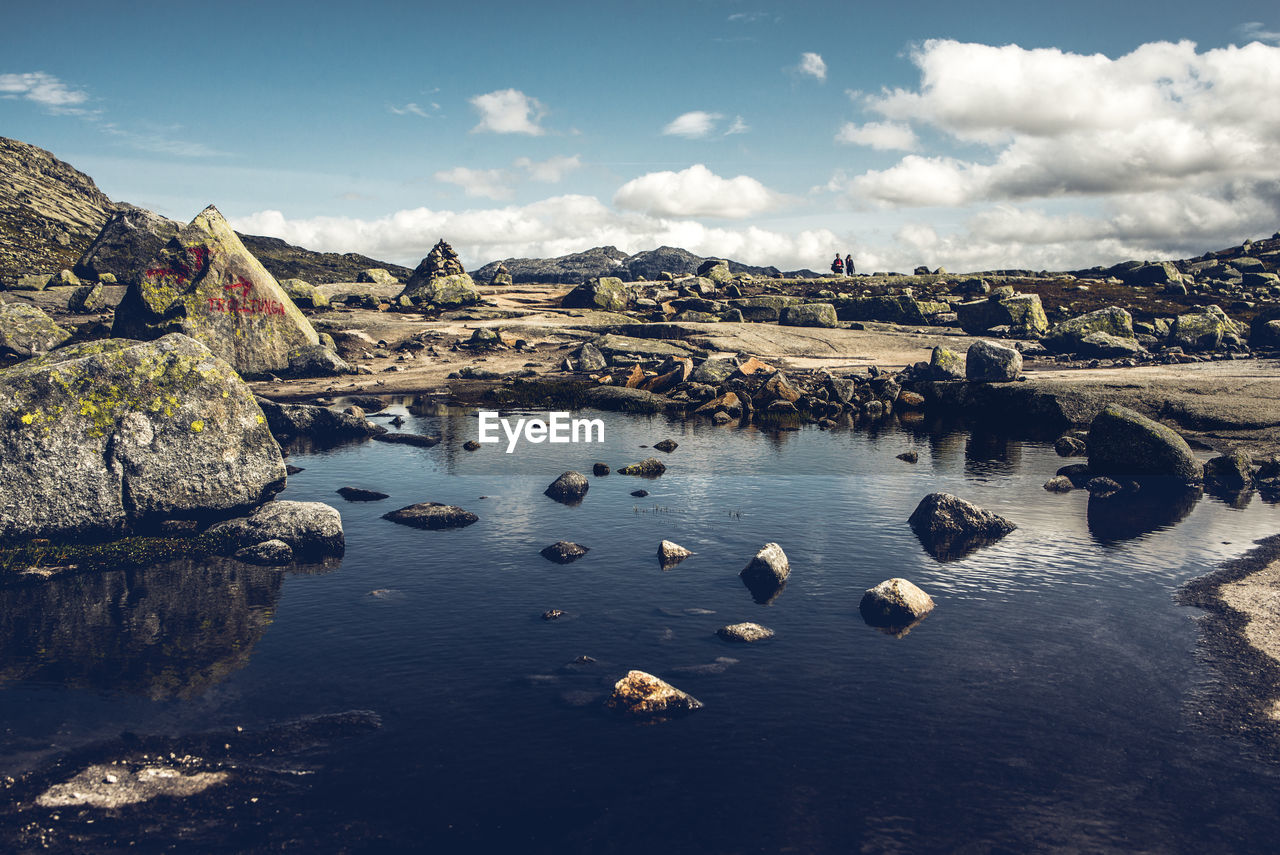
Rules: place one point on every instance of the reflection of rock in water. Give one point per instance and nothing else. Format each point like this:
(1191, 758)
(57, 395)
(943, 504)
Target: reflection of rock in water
(170, 630)
(986, 453)
(1130, 514)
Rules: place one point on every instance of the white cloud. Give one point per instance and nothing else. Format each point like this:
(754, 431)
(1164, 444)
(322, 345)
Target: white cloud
(882, 136)
(551, 170)
(484, 183)
(739, 126)
(545, 229)
(695, 192)
(412, 108)
(694, 125)
(43, 89)
(508, 111)
(812, 65)
(1256, 31)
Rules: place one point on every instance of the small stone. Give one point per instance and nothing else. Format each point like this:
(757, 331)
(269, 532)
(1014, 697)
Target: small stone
(1102, 486)
(471, 445)
(432, 516)
(357, 494)
(671, 554)
(909, 456)
(1070, 446)
(744, 632)
(666, 445)
(639, 494)
(552, 614)
(564, 552)
(600, 470)
(643, 694)
(1059, 484)
(650, 467)
(894, 603)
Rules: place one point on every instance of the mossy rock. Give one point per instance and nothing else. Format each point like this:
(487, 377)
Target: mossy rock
(809, 315)
(946, 364)
(607, 293)
(304, 295)
(1127, 445)
(442, 292)
(1208, 329)
(27, 331)
(1066, 336)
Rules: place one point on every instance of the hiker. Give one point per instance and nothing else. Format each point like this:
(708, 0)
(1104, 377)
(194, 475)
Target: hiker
(837, 266)
(848, 265)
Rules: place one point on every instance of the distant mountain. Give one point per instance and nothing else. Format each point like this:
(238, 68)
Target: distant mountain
(611, 261)
(51, 214)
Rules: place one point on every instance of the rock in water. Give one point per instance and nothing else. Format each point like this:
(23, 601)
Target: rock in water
(950, 528)
(312, 530)
(431, 515)
(359, 494)
(744, 632)
(569, 488)
(643, 694)
(206, 284)
(1129, 446)
(564, 552)
(650, 467)
(667, 445)
(26, 331)
(894, 603)
(106, 438)
(670, 554)
(766, 574)
(1229, 473)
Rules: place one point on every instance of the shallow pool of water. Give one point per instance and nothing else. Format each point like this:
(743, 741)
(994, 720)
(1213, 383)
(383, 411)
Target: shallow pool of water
(1053, 701)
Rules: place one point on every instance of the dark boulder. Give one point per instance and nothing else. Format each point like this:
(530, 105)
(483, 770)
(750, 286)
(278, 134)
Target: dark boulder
(1127, 445)
(431, 515)
(950, 528)
(313, 530)
(564, 552)
(894, 603)
(569, 488)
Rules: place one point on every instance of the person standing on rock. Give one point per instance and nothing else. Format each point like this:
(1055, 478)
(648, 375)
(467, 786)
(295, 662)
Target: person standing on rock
(848, 265)
(837, 266)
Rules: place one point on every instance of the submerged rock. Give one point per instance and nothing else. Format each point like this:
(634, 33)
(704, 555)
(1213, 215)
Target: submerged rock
(949, 527)
(744, 632)
(600, 470)
(894, 603)
(269, 553)
(115, 786)
(671, 554)
(109, 438)
(1128, 445)
(564, 552)
(206, 284)
(569, 488)
(431, 515)
(643, 694)
(357, 494)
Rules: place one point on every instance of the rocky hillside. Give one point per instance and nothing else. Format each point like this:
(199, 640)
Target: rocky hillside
(51, 213)
(579, 267)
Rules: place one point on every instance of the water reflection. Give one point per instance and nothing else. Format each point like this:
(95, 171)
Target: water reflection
(172, 630)
(1129, 514)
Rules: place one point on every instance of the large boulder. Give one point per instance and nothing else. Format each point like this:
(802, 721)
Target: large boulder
(946, 364)
(767, 572)
(988, 362)
(891, 309)
(1206, 329)
(950, 527)
(1264, 331)
(1068, 336)
(894, 603)
(441, 292)
(605, 292)
(110, 437)
(1023, 314)
(205, 284)
(1127, 445)
(129, 240)
(26, 331)
(304, 295)
(766, 308)
(1158, 273)
(809, 315)
(717, 270)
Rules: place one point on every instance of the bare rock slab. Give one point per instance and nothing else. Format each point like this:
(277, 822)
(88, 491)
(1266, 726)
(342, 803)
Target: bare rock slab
(894, 604)
(950, 527)
(643, 694)
(431, 515)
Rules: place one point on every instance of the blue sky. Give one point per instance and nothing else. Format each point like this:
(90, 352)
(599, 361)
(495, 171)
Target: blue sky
(974, 136)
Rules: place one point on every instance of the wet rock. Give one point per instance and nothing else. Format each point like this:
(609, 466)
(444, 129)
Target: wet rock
(564, 552)
(606, 293)
(643, 694)
(108, 438)
(666, 445)
(946, 364)
(357, 494)
(950, 527)
(269, 553)
(809, 315)
(909, 456)
(908, 400)
(768, 569)
(569, 488)
(1101, 485)
(116, 786)
(432, 516)
(1128, 445)
(894, 603)
(1229, 473)
(415, 439)
(1059, 484)
(640, 494)
(552, 614)
(988, 362)
(471, 445)
(206, 284)
(26, 331)
(1070, 446)
(744, 632)
(650, 467)
(671, 554)
(600, 470)
(622, 399)
(728, 403)
(776, 388)
(313, 530)
(1078, 473)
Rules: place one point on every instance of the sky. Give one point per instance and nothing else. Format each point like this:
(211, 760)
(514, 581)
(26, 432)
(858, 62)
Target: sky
(977, 135)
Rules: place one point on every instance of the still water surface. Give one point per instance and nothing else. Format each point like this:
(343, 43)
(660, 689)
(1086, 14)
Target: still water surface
(1053, 701)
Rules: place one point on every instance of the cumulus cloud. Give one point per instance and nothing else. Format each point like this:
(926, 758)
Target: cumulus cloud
(695, 192)
(693, 125)
(544, 229)
(508, 111)
(551, 170)
(812, 65)
(882, 136)
(1160, 118)
(485, 183)
(43, 89)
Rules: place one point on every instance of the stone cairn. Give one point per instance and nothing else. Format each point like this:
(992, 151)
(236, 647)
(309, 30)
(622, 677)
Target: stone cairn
(441, 261)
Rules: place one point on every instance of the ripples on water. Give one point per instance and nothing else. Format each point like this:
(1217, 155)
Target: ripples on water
(1049, 702)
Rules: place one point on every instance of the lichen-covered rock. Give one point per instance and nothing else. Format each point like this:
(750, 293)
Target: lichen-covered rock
(569, 488)
(1149, 274)
(269, 553)
(717, 270)
(643, 694)
(441, 292)
(1100, 345)
(206, 284)
(606, 292)
(87, 299)
(1129, 446)
(564, 552)
(671, 554)
(809, 315)
(589, 358)
(26, 331)
(766, 308)
(713, 372)
(313, 530)
(946, 364)
(304, 295)
(1229, 473)
(129, 239)
(744, 632)
(988, 362)
(1206, 329)
(431, 515)
(108, 438)
(376, 276)
(894, 603)
(650, 467)
(1022, 313)
(889, 309)
(296, 421)
(316, 360)
(1068, 336)
(950, 527)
